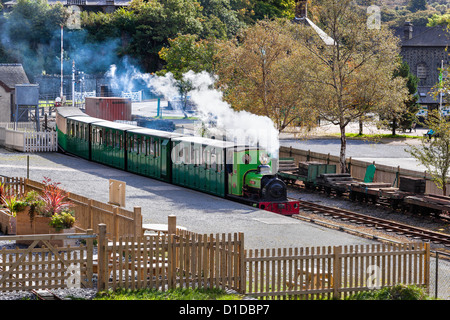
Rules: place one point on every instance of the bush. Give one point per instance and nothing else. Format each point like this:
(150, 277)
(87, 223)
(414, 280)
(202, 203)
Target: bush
(63, 220)
(397, 292)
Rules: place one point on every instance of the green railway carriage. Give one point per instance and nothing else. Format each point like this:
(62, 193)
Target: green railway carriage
(148, 153)
(108, 143)
(199, 163)
(78, 135)
(62, 115)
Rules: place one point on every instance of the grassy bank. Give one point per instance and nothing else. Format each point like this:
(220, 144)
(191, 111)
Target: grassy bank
(176, 294)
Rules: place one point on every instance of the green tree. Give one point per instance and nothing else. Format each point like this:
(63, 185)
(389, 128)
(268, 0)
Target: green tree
(186, 53)
(417, 5)
(403, 118)
(439, 20)
(263, 72)
(29, 33)
(353, 74)
(221, 21)
(434, 153)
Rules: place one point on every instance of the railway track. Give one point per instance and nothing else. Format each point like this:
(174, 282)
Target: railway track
(44, 294)
(415, 233)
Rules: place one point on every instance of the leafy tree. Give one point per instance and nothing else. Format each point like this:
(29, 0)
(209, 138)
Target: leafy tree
(442, 20)
(221, 21)
(404, 117)
(353, 76)
(185, 53)
(262, 72)
(417, 5)
(434, 153)
(29, 31)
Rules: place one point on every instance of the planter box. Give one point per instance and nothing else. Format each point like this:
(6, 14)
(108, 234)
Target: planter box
(39, 225)
(7, 222)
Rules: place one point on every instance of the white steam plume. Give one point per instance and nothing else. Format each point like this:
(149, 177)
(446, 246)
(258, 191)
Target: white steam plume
(217, 115)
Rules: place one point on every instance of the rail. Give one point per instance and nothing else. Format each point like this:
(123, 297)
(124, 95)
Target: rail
(418, 234)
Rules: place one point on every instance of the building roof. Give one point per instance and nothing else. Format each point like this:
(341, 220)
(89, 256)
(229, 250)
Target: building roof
(12, 74)
(422, 36)
(426, 96)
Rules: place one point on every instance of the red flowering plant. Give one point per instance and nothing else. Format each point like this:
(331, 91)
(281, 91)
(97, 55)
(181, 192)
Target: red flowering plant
(55, 198)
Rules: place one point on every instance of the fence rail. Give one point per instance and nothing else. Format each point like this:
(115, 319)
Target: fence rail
(42, 265)
(184, 259)
(325, 272)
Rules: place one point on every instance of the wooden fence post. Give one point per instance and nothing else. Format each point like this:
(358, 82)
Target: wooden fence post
(137, 222)
(172, 224)
(116, 222)
(102, 266)
(90, 215)
(89, 258)
(171, 261)
(337, 266)
(242, 265)
(427, 266)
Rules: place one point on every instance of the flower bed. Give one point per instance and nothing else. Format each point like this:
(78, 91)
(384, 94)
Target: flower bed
(34, 213)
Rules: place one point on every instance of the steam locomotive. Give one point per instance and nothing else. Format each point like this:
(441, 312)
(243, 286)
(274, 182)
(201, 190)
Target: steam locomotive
(222, 168)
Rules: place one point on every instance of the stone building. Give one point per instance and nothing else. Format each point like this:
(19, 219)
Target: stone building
(11, 74)
(424, 49)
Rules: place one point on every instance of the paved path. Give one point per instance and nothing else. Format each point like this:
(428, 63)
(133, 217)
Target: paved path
(197, 211)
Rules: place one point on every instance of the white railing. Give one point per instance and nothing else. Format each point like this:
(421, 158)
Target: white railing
(81, 96)
(26, 139)
(134, 96)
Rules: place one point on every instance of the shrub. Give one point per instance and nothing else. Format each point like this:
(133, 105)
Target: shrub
(397, 292)
(63, 220)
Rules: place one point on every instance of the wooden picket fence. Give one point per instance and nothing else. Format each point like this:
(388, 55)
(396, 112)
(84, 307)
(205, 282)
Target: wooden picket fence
(43, 265)
(29, 141)
(184, 259)
(334, 272)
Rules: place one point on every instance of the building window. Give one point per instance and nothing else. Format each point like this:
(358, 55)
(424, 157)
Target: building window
(422, 71)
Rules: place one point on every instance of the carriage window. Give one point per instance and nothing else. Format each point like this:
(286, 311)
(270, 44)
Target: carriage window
(186, 155)
(142, 145)
(130, 143)
(219, 161)
(157, 148)
(107, 138)
(213, 159)
(100, 136)
(117, 140)
(136, 145)
(180, 153)
(207, 158)
(152, 147)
